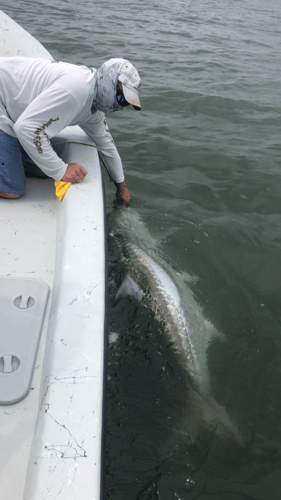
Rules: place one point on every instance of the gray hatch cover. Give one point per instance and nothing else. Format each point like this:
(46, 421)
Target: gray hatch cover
(22, 308)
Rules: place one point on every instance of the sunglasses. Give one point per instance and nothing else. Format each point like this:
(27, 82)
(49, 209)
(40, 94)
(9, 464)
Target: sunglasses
(120, 98)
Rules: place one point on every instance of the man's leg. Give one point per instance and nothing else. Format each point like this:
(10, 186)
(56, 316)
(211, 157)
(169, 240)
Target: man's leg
(12, 178)
(9, 195)
(30, 168)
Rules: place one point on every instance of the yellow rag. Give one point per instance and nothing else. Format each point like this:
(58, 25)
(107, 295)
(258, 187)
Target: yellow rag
(61, 188)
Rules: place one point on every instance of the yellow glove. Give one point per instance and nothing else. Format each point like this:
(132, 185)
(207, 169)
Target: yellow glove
(61, 188)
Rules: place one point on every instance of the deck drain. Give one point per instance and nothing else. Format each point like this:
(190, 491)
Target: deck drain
(9, 363)
(24, 301)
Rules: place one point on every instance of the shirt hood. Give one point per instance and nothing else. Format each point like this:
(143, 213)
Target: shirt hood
(106, 86)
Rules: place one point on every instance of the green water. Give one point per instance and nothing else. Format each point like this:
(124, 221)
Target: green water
(202, 162)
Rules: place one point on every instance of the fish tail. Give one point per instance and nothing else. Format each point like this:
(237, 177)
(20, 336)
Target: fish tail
(208, 417)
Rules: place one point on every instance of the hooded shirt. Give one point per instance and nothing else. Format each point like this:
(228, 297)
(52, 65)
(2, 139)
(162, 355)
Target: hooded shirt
(106, 86)
(39, 98)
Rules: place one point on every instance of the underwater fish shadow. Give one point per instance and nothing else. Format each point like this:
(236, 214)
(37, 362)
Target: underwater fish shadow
(188, 333)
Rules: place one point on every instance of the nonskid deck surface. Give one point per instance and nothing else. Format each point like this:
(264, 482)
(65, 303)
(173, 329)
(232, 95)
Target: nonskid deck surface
(28, 236)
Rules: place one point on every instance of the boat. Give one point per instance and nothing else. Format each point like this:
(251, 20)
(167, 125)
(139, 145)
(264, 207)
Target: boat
(53, 258)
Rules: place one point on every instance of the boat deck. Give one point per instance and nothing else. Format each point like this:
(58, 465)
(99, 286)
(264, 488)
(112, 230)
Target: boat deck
(27, 249)
(51, 441)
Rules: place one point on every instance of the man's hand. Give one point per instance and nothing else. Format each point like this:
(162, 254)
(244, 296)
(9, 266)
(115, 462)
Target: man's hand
(122, 193)
(74, 173)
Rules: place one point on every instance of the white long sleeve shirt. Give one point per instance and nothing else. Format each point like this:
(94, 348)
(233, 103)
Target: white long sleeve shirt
(39, 98)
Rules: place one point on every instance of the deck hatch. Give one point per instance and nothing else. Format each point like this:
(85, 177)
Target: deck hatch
(22, 310)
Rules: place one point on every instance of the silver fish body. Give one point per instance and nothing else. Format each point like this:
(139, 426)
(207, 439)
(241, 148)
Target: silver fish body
(172, 301)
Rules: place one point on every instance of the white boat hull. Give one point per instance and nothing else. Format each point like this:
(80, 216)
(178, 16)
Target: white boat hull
(51, 441)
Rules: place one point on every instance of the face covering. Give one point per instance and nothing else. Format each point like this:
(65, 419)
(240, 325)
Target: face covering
(106, 87)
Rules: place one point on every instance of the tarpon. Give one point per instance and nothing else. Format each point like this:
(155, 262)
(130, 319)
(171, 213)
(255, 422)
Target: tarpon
(171, 299)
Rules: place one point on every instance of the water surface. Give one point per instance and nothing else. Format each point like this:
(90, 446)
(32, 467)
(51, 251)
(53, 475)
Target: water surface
(202, 162)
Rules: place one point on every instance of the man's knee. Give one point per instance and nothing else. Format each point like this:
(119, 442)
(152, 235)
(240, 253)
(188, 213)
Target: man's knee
(3, 194)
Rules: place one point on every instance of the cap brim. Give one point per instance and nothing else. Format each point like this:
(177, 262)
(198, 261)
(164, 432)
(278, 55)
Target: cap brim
(131, 97)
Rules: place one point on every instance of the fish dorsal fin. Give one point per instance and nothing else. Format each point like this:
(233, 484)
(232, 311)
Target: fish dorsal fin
(128, 288)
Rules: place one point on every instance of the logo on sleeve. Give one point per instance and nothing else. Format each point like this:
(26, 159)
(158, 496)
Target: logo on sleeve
(37, 140)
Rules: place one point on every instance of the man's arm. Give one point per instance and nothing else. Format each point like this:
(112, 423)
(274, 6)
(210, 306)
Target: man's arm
(44, 118)
(122, 192)
(74, 173)
(99, 132)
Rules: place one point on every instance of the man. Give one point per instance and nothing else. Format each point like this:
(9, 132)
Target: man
(39, 98)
